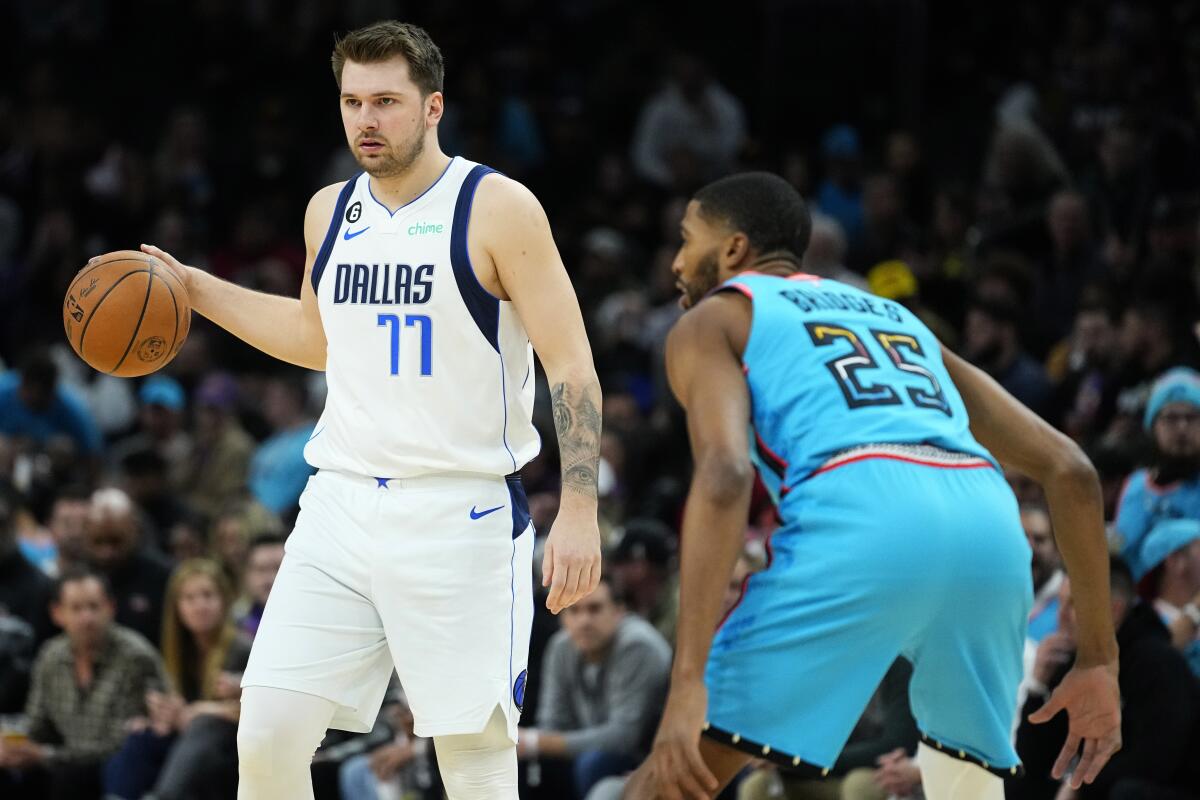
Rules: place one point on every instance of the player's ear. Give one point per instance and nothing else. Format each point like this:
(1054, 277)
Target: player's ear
(736, 250)
(435, 104)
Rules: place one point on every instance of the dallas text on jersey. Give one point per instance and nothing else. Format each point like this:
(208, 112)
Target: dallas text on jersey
(382, 284)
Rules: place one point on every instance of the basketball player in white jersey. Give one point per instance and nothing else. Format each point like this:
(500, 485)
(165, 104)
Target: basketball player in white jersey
(427, 279)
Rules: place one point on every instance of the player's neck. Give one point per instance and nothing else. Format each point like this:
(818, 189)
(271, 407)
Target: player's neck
(774, 264)
(400, 190)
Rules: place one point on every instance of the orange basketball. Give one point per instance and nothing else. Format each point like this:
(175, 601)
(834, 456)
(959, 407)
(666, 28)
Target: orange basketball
(126, 314)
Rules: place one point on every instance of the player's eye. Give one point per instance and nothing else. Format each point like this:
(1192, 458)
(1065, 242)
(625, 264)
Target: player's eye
(387, 101)
(351, 102)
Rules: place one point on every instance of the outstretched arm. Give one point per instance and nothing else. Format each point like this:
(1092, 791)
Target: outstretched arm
(284, 327)
(531, 272)
(1020, 439)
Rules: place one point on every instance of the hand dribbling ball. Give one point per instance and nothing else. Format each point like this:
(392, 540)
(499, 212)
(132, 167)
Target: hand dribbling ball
(126, 314)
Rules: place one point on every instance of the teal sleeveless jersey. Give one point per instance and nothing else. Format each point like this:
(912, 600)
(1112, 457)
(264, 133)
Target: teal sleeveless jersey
(830, 368)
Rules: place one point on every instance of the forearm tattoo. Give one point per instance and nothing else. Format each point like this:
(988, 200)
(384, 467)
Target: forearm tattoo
(577, 420)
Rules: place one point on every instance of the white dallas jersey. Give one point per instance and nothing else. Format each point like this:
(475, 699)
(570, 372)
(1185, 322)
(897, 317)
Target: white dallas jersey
(427, 371)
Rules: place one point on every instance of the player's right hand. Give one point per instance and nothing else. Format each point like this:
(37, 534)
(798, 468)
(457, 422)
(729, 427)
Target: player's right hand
(177, 268)
(1092, 699)
(571, 564)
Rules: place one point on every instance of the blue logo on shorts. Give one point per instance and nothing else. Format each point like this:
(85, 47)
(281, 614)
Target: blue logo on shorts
(479, 514)
(519, 690)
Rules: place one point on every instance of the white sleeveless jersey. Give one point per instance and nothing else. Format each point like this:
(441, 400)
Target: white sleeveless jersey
(427, 371)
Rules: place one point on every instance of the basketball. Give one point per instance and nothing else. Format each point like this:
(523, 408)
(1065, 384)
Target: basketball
(126, 314)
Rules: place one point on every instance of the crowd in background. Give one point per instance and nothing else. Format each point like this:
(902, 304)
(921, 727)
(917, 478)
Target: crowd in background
(1026, 179)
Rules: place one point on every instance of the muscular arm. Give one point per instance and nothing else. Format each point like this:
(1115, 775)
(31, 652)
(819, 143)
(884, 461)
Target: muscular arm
(284, 327)
(1020, 439)
(532, 275)
(516, 235)
(706, 376)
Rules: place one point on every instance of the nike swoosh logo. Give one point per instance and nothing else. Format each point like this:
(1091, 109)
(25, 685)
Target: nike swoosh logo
(348, 235)
(477, 514)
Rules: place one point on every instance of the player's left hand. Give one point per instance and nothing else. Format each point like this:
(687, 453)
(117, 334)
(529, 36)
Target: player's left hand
(1092, 700)
(676, 764)
(571, 564)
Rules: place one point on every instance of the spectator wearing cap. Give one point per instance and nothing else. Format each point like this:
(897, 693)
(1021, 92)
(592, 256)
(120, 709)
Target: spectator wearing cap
(992, 342)
(36, 407)
(1172, 554)
(160, 428)
(1160, 715)
(641, 567)
(1170, 487)
(278, 471)
(604, 681)
(219, 463)
(137, 579)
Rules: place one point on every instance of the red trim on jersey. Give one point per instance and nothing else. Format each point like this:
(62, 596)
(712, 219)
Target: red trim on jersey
(739, 287)
(906, 459)
(774, 457)
(804, 276)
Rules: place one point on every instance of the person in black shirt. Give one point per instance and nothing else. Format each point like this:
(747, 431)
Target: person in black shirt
(1160, 725)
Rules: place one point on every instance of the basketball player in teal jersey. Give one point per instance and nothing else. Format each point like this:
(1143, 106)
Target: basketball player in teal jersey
(898, 535)
(430, 282)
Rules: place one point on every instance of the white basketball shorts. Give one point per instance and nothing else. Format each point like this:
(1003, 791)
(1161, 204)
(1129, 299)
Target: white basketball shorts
(431, 574)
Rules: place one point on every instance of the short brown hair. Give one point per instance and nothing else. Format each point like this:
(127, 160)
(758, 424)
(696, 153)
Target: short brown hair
(384, 40)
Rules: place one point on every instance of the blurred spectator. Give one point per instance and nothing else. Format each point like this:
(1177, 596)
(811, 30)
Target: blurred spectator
(137, 578)
(24, 589)
(278, 471)
(1171, 553)
(144, 477)
(34, 406)
(398, 768)
(1047, 581)
(690, 131)
(1170, 487)
(231, 532)
(826, 252)
(992, 343)
(67, 523)
(642, 566)
(160, 429)
(1021, 171)
(840, 194)
(187, 746)
(604, 680)
(1072, 264)
(1083, 369)
(264, 555)
(220, 459)
(887, 233)
(88, 683)
(1160, 714)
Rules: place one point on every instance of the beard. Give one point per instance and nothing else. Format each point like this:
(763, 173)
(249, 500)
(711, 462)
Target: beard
(707, 278)
(394, 160)
(1172, 467)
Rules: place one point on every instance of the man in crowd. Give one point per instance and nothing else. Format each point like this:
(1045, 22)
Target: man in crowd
(1170, 487)
(264, 554)
(88, 683)
(604, 678)
(641, 567)
(112, 547)
(1172, 554)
